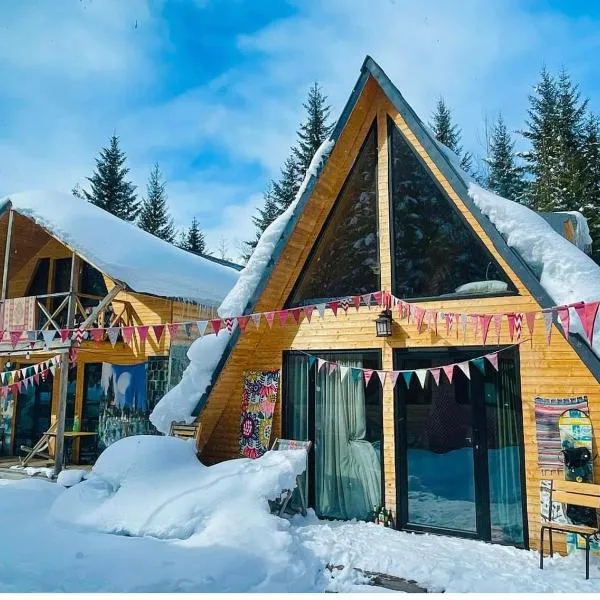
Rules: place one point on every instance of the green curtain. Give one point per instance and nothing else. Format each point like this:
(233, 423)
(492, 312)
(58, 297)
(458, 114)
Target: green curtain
(347, 469)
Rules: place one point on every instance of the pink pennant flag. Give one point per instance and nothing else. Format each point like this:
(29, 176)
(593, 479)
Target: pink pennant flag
(420, 315)
(449, 322)
(243, 322)
(229, 324)
(283, 317)
(463, 325)
(158, 331)
(511, 325)
(113, 334)
(64, 334)
(382, 376)
(320, 363)
(333, 305)
(127, 333)
(565, 319)
(142, 331)
(256, 319)
(435, 373)
(20, 385)
(356, 302)
(394, 377)
(332, 367)
(367, 374)
(270, 317)
(548, 319)
(485, 321)
(308, 311)
(432, 320)
(464, 367)
(493, 359)
(498, 327)
(295, 312)
(36, 379)
(173, 329)
(587, 313)
(519, 325)
(378, 297)
(449, 371)
(530, 320)
(14, 338)
(475, 325)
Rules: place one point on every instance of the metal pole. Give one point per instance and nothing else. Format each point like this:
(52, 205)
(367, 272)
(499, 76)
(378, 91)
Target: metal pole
(7, 253)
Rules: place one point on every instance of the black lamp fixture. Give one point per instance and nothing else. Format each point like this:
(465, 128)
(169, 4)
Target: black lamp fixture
(383, 324)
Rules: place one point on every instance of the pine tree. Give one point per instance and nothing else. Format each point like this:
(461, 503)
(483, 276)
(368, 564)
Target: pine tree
(266, 215)
(154, 215)
(110, 189)
(505, 177)
(313, 131)
(590, 206)
(193, 240)
(449, 134)
(284, 191)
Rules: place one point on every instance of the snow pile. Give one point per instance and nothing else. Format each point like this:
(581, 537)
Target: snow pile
(70, 477)
(33, 471)
(583, 239)
(124, 251)
(206, 352)
(565, 272)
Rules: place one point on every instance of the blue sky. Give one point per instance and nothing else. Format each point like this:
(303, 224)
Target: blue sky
(212, 89)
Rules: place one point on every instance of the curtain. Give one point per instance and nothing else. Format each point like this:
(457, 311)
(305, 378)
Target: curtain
(504, 459)
(347, 469)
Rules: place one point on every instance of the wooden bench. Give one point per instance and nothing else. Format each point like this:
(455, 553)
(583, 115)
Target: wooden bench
(578, 494)
(184, 430)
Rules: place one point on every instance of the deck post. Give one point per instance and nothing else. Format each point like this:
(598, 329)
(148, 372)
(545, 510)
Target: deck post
(7, 253)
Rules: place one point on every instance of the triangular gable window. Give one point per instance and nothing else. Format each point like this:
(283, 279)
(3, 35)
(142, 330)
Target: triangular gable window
(435, 252)
(345, 258)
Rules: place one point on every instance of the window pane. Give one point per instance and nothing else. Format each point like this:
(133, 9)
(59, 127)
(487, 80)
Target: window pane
(345, 260)
(434, 252)
(92, 283)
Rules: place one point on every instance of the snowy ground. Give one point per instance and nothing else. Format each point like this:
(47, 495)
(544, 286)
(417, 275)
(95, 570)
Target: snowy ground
(192, 528)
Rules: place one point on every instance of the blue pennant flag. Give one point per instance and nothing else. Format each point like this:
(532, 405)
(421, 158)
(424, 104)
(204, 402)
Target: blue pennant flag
(311, 360)
(479, 363)
(407, 377)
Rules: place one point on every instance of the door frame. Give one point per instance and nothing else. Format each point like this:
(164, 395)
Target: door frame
(480, 447)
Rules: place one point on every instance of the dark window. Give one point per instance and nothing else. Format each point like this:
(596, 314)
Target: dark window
(39, 286)
(93, 397)
(345, 259)
(435, 253)
(92, 281)
(62, 284)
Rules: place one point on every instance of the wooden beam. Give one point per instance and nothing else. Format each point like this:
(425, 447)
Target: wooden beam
(102, 305)
(7, 254)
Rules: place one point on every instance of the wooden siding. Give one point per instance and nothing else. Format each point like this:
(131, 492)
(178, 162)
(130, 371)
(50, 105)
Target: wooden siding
(550, 371)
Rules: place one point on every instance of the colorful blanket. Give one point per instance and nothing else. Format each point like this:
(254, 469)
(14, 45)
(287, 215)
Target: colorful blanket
(258, 404)
(547, 412)
(19, 314)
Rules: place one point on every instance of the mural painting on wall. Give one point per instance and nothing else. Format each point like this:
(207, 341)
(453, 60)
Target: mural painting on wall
(125, 409)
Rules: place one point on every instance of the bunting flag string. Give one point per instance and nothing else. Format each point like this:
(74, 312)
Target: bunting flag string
(16, 380)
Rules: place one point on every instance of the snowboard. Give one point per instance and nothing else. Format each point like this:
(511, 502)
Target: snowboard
(575, 428)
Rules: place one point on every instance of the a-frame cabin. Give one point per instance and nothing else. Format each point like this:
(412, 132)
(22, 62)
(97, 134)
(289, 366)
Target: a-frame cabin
(391, 211)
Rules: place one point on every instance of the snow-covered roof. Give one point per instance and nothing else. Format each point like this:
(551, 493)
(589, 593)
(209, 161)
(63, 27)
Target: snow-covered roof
(123, 251)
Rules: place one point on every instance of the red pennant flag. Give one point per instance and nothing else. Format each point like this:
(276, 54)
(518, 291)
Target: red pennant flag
(64, 334)
(435, 373)
(295, 312)
(356, 302)
(14, 389)
(333, 305)
(420, 315)
(216, 325)
(242, 322)
(283, 317)
(308, 311)
(142, 331)
(485, 321)
(563, 315)
(587, 313)
(498, 327)
(158, 331)
(367, 374)
(378, 297)
(511, 325)
(449, 371)
(173, 329)
(97, 334)
(530, 320)
(270, 317)
(14, 338)
(36, 379)
(493, 359)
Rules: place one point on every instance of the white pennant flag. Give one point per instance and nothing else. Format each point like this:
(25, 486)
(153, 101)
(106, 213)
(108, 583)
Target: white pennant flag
(201, 325)
(56, 360)
(48, 335)
(23, 373)
(321, 309)
(422, 376)
(113, 334)
(382, 377)
(320, 363)
(464, 367)
(53, 369)
(343, 371)
(463, 324)
(548, 325)
(256, 319)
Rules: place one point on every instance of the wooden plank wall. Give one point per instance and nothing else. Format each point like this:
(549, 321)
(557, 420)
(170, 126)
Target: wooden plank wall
(550, 371)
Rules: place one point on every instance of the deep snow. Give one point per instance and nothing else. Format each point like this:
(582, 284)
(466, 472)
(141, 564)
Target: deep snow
(124, 251)
(151, 518)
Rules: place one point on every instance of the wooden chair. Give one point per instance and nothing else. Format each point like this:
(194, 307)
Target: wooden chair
(578, 494)
(40, 448)
(184, 430)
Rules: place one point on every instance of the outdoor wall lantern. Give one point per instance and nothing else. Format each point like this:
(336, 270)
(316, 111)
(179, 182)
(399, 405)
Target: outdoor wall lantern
(383, 324)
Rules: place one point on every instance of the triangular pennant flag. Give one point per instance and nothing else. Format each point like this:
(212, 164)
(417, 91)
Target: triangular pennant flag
(321, 310)
(449, 372)
(366, 298)
(421, 376)
(345, 303)
(270, 317)
(511, 326)
(256, 317)
(464, 367)
(475, 324)
(64, 334)
(378, 297)
(407, 376)
(53, 369)
(188, 329)
(530, 320)
(3, 377)
(432, 320)
(295, 312)
(332, 367)
(367, 374)
(343, 371)
(36, 379)
(356, 302)
(420, 315)
(382, 376)
(113, 334)
(394, 377)
(142, 331)
(23, 373)
(173, 329)
(498, 327)
(519, 325)
(283, 317)
(565, 319)
(479, 363)
(32, 335)
(14, 390)
(311, 360)
(243, 322)
(587, 313)
(435, 373)
(158, 331)
(333, 305)
(216, 325)
(127, 333)
(308, 311)
(320, 363)
(449, 322)
(15, 336)
(463, 325)
(201, 325)
(356, 374)
(484, 321)
(548, 319)
(48, 335)
(493, 359)
(229, 323)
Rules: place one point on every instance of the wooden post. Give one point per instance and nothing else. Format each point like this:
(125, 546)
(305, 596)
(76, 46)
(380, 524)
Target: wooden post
(64, 371)
(7, 254)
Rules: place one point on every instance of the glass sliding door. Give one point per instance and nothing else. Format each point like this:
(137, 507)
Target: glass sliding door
(342, 417)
